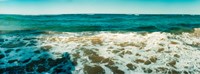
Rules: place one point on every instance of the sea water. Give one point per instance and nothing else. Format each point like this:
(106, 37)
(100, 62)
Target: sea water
(100, 44)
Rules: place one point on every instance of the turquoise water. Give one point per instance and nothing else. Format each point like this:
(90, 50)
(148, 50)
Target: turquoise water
(100, 22)
(99, 43)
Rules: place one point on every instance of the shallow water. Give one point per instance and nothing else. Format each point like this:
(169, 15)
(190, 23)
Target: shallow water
(25, 49)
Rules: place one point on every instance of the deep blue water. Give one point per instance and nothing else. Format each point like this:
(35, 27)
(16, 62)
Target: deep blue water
(100, 22)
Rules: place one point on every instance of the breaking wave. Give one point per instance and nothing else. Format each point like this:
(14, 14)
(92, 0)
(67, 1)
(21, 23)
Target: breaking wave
(100, 52)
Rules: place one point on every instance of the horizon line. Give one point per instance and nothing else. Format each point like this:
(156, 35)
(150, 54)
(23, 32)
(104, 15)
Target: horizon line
(102, 13)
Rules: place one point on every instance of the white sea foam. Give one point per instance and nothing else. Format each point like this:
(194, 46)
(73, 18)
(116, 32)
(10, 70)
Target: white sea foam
(108, 52)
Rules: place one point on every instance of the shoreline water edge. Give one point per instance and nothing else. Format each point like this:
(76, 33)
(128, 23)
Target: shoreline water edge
(26, 49)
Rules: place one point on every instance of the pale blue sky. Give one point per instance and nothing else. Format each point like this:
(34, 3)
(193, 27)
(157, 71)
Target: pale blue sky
(100, 6)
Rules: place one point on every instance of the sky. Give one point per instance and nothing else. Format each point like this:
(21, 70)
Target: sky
(99, 7)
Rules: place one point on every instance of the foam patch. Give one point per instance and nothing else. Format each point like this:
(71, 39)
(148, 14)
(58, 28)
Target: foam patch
(101, 52)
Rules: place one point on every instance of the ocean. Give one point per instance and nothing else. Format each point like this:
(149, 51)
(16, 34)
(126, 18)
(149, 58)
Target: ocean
(100, 44)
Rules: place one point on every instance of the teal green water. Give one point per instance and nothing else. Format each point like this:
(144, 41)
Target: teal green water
(99, 43)
(100, 22)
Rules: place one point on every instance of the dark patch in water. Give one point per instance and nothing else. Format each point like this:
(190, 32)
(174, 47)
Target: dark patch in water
(147, 28)
(93, 70)
(45, 62)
